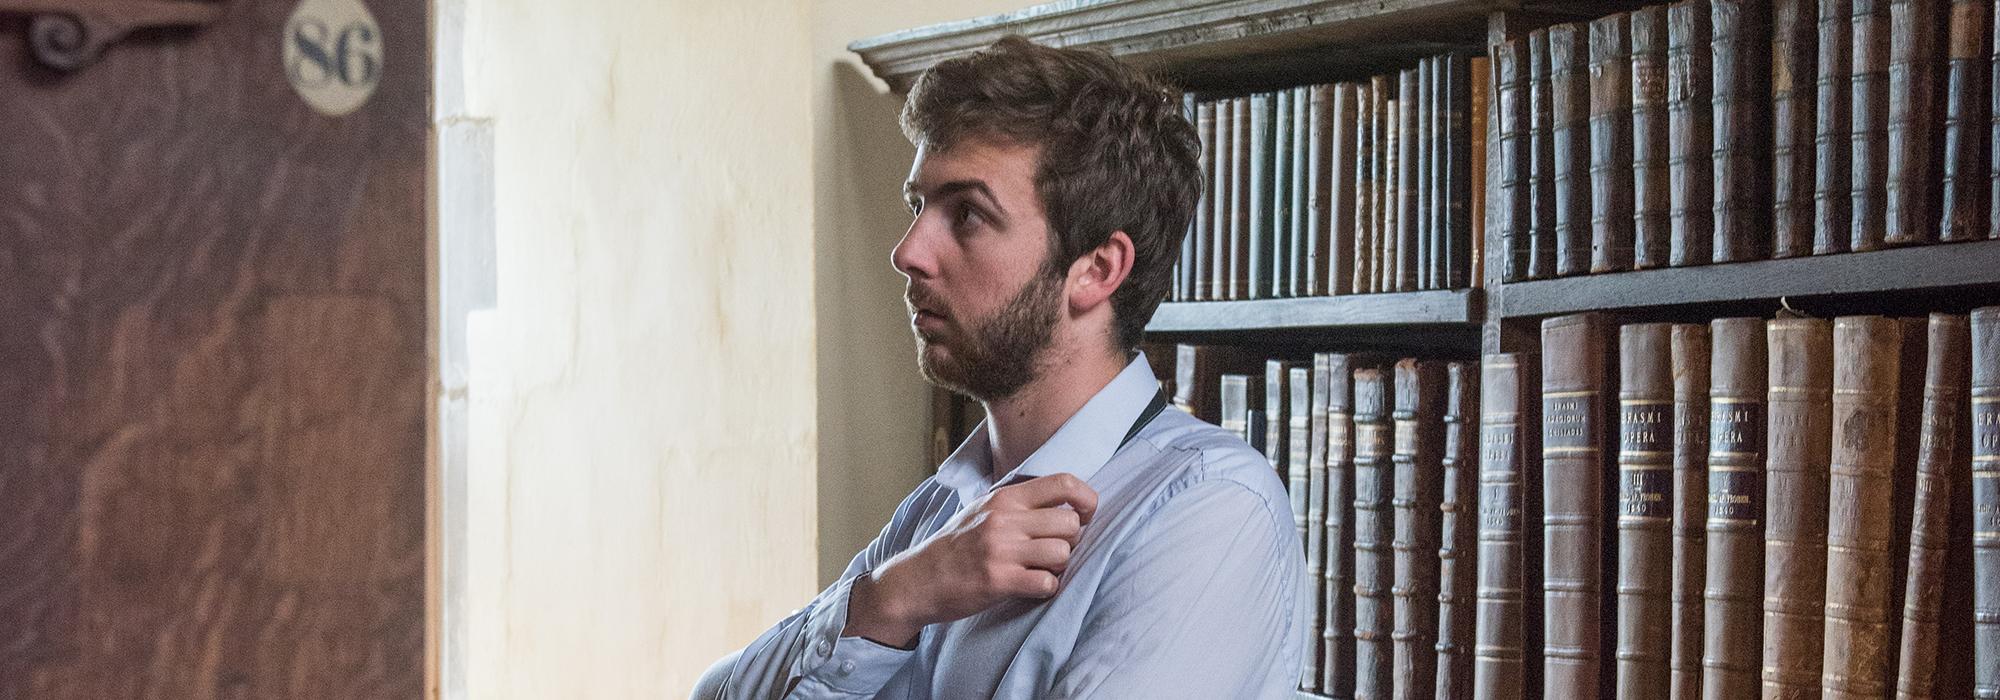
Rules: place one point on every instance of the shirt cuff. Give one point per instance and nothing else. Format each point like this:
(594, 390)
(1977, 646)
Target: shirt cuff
(839, 665)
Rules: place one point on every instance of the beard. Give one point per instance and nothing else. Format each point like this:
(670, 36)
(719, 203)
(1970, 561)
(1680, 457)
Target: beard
(993, 358)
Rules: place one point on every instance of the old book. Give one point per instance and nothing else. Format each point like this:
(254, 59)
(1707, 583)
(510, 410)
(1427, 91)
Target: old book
(1197, 377)
(1733, 592)
(1201, 286)
(1256, 268)
(1456, 230)
(1279, 242)
(1916, 103)
(1610, 78)
(1968, 51)
(1798, 438)
(1574, 499)
(1367, 146)
(1833, 132)
(1241, 199)
(1227, 224)
(1299, 193)
(1741, 56)
(1645, 507)
(1313, 515)
(1506, 663)
(1569, 105)
(1419, 475)
(1652, 197)
(1388, 238)
(1406, 152)
(1337, 609)
(1928, 665)
(1690, 358)
(1236, 391)
(1541, 153)
(1866, 368)
(1423, 187)
(1339, 194)
(1690, 161)
(1278, 438)
(1986, 502)
(1458, 530)
(1510, 208)
(1324, 148)
(1868, 117)
(1374, 524)
(1479, 109)
(1794, 89)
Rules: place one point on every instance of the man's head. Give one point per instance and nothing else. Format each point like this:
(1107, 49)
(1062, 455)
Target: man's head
(1051, 190)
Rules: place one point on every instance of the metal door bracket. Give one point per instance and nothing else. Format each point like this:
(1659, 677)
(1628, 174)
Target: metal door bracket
(70, 34)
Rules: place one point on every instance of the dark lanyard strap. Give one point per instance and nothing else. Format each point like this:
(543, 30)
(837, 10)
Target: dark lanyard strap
(1152, 411)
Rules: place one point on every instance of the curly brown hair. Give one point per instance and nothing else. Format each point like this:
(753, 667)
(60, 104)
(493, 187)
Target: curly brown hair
(1117, 152)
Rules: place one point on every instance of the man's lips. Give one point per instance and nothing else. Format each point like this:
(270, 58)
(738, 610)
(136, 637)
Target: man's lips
(926, 320)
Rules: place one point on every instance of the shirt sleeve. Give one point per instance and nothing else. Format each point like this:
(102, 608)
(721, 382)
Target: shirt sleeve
(1206, 605)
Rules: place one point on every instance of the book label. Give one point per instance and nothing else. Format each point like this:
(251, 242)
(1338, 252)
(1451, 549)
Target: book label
(1733, 497)
(1500, 507)
(1566, 420)
(1645, 493)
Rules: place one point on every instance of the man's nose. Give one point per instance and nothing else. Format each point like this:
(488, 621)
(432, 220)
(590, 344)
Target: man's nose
(912, 255)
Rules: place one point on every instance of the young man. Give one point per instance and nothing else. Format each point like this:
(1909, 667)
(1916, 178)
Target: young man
(1082, 542)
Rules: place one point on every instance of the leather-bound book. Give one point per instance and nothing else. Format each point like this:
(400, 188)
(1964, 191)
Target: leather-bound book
(1201, 285)
(1222, 212)
(1734, 591)
(1690, 160)
(1794, 85)
(1541, 245)
(1930, 663)
(1569, 104)
(1741, 55)
(1610, 78)
(1868, 157)
(1407, 153)
(1424, 149)
(1458, 530)
(1797, 444)
(1574, 499)
(1197, 377)
(1367, 146)
(1278, 231)
(1389, 258)
(1505, 664)
(1968, 53)
(1419, 478)
(1316, 184)
(1645, 507)
(1298, 194)
(1986, 503)
(1282, 443)
(1510, 206)
(1374, 525)
(1337, 608)
(1312, 528)
(1833, 133)
(1651, 195)
(1256, 283)
(1482, 154)
(1330, 209)
(1916, 105)
(1235, 391)
(1866, 368)
(1456, 232)
(1241, 199)
(1690, 358)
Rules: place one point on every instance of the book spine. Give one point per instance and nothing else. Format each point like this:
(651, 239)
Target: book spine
(1929, 587)
(1337, 628)
(1278, 426)
(1690, 202)
(1388, 245)
(1322, 148)
(1986, 502)
(1256, 267)
(1366, 149)
(1455, 122)
(1652, 198)
(1483, 153)
(1235, 400)
(1798, 441)
(1915, 27)
(1201, 285)
(1794, 51)
(1226, 230)
(1993, 140)
(1298, 259)
(1424, 149)
(1569, 104)
(1610, 78)
(1731, 625)
(1510, 212)
(1505, 666)
(1833, 134)
(1187, 391)
(1573, 501)
(1374, 442)
(1406, 152)
(1278, 262)
(1298, 480)
(1419, 473)
(1865, 373)
(1963, 203)
(1741, 67)
(1869, 117)
(1690, 358)
(1457, 529)
(1541, 154)
(1311, 523)
(1645, 508)
(1338, 192)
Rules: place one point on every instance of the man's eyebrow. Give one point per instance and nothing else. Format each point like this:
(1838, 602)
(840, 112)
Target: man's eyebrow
(956, 186)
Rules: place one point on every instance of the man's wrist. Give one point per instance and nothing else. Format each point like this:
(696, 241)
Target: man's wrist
(877, 615)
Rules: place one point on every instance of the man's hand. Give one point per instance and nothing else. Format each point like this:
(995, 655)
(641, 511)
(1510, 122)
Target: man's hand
(1012, 543)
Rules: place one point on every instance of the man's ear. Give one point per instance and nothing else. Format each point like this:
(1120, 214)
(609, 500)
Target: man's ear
(1100, 272)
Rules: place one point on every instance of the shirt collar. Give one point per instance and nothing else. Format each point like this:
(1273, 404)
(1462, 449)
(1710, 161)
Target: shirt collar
(1081, 446)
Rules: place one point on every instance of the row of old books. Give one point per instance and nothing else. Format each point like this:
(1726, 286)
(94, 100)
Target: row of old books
(1730, 130)
(1342, 188)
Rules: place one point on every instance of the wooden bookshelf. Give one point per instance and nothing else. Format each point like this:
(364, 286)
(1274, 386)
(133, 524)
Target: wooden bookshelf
(1442, 308)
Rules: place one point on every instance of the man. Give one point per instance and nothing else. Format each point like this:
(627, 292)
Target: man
(1082, 542)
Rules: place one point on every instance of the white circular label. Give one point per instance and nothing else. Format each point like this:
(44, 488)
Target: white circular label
(333, 54)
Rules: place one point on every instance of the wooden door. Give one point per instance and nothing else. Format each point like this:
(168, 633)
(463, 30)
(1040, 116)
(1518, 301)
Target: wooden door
(212, 368)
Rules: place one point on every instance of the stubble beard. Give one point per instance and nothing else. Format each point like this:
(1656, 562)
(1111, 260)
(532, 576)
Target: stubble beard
(993, 359)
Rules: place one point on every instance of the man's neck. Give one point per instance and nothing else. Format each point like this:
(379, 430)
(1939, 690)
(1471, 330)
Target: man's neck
(1018, 425)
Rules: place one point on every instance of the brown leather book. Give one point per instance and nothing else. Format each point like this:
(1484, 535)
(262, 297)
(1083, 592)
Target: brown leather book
(1226, 230)
(1833, 132)
(1868, 156)
(1741, 55)
(1610, 78)
(1197, 377)
(1574, 499)
(1986, 503)
(1541, 160)
(1866, 369)
(1929, 664)
(1201, 285)
(1458, 530)
(1690, 156)
(1406, 152)
(1733, 592)
(1962, 210)
(1424, 149)
(1259, 241)
(1690, 358)
(1241, 199)
(1279, 255)
(1645, 507)
(1510, 206)
(1651, 195)
(1374, 525)
(1797, 443)
(1282, 443)
(1794, 78)
(1481, 152)
(1916, 103)
(1297, 193)
(1337, 628)
(1419, 478)
(1330, 170)
(1388, 242)
(1569, 105)
(1506, 663)
(1367, 146)
(1455, 229)
(1312, 517)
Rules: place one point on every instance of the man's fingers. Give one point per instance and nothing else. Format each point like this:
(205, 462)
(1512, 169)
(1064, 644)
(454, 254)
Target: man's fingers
(1030, 583)
(1060, 523)
(1048, 554)
(1051, 491)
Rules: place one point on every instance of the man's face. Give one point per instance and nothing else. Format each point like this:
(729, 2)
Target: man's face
(982, 301)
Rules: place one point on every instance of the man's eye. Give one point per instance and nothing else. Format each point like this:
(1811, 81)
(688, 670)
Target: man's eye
(963, 216)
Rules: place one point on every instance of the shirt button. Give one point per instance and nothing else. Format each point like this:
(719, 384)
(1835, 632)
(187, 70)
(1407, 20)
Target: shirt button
(846, 667)
(823, 648)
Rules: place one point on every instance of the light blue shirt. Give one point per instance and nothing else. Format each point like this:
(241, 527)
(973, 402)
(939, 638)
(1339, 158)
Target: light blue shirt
(1189, 582)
